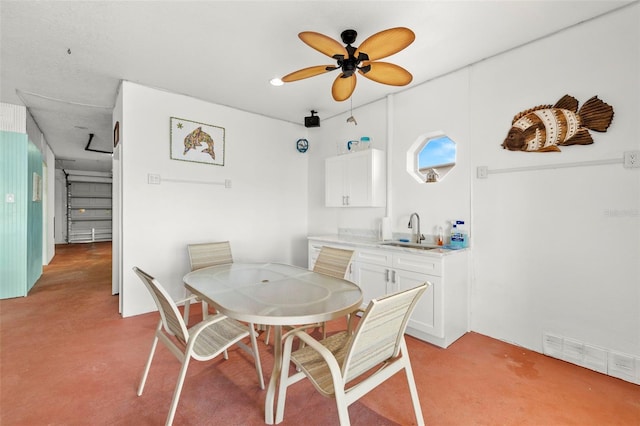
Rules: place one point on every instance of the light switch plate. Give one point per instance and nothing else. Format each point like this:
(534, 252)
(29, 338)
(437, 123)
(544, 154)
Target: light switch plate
(153, 179)
(631, 159)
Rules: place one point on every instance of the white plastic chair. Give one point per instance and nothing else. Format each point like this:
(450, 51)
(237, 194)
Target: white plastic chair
(333, 363)
(333, 261)
(205, 255)
(202, 342)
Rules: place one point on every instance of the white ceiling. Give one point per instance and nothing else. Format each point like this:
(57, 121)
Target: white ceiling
(226, 52)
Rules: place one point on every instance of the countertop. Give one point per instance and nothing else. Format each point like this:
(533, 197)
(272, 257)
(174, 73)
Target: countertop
(378, 244)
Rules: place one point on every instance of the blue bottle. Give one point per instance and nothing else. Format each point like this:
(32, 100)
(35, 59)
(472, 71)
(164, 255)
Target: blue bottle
(456, 238)
(464, 236)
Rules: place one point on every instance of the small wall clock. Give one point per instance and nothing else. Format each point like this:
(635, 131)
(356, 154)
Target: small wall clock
(302, 145)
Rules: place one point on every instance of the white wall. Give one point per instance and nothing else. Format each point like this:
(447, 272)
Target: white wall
(552, 250)
(60, 197)
(116, 208)
(549, 256)
(264, 214)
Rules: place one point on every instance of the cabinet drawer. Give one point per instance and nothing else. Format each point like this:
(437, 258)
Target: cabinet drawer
(377, 257)
(418, 263)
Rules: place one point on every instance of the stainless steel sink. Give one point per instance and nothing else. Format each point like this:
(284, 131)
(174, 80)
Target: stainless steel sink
(411, 245)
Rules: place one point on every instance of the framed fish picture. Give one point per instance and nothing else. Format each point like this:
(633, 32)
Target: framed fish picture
(196, 142)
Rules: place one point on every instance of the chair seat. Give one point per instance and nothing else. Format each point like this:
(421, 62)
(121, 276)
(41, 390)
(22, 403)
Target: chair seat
(311, 362)
(218, 336)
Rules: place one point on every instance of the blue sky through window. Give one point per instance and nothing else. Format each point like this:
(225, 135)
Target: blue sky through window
(437, 152)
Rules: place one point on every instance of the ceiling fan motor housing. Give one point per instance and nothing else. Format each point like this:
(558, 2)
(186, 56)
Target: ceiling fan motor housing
(349, 36)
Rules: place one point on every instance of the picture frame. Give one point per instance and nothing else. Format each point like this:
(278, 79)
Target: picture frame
(197, 142)
(116, 134)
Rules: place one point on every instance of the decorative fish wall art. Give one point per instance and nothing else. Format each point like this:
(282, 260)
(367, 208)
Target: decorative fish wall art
(196, 138)
(197, 142)
(546, 127)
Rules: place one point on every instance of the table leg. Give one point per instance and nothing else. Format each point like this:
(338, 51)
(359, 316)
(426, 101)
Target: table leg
(275, 375)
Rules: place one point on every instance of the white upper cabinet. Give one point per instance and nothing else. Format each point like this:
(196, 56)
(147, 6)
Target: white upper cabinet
(356, 180)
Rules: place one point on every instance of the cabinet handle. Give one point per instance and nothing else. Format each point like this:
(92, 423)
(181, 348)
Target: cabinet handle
(393, 277)
(387, 273)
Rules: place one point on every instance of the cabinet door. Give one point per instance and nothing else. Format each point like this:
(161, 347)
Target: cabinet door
(372, 279)
(358, 180)
(428, 314)
(335, 182)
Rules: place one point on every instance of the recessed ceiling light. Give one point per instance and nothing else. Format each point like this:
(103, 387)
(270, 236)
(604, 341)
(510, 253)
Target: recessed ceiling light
(276, 82)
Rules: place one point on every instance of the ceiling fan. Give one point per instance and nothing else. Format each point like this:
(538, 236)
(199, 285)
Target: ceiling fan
(364, 59)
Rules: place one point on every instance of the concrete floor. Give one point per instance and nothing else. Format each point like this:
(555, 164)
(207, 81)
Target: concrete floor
(68, 358)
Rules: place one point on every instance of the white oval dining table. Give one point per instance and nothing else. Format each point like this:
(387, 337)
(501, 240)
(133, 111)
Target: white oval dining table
(274, 294)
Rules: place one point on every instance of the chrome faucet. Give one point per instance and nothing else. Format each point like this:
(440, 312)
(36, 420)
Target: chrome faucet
(419, 236)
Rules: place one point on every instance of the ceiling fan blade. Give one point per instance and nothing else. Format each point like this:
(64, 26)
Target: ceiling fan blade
(386, 73)
(343, 87)
(323, 44)
(386, 43)
(307, 72)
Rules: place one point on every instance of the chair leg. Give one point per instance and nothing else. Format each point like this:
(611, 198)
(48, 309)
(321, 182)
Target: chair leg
(178, 390)
(256, 354)
(284, 380)
(205, 310)
(343, 407)
(413, 390)
(187, 308)
(266, 335)
(148, 364)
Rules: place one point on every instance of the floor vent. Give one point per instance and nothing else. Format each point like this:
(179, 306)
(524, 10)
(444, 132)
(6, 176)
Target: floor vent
(615, 364)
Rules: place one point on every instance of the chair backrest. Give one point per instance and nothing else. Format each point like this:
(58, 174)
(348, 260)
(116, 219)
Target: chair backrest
(171, 319)
(333, 261)
(380, 331)
(209, 254)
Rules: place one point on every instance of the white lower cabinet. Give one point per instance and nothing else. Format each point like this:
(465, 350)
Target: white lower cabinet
(427, 316)
(375, 279)
(441, 315)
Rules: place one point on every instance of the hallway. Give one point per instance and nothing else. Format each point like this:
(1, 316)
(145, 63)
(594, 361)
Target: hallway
(68, 358)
